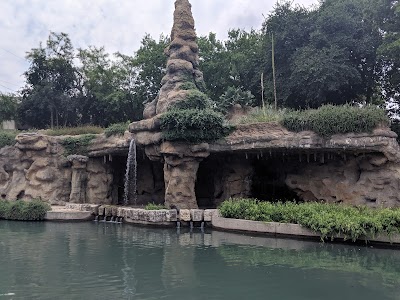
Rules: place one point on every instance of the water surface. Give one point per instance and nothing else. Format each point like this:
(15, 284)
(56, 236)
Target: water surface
(111, 261)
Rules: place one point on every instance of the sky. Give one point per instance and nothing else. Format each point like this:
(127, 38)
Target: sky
(116, 25)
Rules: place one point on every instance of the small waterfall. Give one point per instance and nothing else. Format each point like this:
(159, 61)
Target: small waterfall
(130, 176)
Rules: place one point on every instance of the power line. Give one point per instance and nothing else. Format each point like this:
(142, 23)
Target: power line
(12, 53)
(9, 83)
(7, 88)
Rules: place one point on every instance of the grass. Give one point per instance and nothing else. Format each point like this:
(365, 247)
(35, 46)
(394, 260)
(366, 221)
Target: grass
(327, 219)
(153, 206)
(259, 115)
(19, 210)
(87, 129)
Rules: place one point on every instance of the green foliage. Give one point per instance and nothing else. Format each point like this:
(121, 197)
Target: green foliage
(188, 86)
(34, 210)
(235, 95)
(328, 120)
(194, 100)
(116, 129)
(7, 138)
(153, 206)
(329, 220)
(193, 125)
(8, 107)
(77, 145)
(88, 129)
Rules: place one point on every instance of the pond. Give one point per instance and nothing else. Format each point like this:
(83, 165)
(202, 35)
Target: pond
(114, 261)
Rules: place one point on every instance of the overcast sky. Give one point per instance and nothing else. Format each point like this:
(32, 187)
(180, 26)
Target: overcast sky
(117, 25)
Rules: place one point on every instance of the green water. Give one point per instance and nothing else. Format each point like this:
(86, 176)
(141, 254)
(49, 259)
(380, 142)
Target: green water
(111, 261)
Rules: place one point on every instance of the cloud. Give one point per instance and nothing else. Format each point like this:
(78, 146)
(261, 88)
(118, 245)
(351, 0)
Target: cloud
(116, 25)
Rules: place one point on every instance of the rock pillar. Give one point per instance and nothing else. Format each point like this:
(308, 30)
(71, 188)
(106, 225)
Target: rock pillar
(79, 178)
(181, 162)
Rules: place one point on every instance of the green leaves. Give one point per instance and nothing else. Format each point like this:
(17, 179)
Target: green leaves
(34, 210)
(193, 125)
(7, 138)
(328, 219)
(77, 145)
(116, 129)
(329, 119)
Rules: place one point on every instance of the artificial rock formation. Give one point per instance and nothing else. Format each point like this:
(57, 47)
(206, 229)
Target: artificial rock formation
(181, 162)
(182, 64)
(37, 168)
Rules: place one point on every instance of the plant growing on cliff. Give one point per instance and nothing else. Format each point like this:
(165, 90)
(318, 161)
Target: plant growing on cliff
(329, 220)
(153, 206)
(193, 120)
(193, 125)
(77, 145)
(19, 210)
(7, 138)
(329, 119)
(116, 129)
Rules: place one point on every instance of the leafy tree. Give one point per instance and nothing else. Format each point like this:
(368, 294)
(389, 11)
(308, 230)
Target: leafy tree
(326, 55)
(8, 106)
(389, 52)
(48, 97)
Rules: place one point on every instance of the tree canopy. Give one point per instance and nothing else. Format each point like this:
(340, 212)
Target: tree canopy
(341, 51)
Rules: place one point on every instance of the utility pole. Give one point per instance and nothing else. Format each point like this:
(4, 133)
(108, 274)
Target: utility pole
(273, 70)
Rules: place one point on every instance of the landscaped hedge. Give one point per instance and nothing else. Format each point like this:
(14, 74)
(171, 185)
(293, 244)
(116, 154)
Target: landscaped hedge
(34, 210)
(328, 119)
(328, 219)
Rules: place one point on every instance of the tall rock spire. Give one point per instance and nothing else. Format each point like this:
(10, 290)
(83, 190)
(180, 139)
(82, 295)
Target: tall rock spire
(182, 65)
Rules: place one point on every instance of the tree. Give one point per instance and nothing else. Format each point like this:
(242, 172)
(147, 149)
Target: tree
(328, 54)
(389, 53)
(48, 97)
(8, 106)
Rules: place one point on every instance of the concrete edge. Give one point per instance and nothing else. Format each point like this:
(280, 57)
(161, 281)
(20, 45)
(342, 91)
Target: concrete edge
(69, 216)
(285, 230)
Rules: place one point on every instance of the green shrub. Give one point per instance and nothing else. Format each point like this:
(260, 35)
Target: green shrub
(7, 138)
(194, 100)
(153, 206)
(88, 129)
(188, 85)
(34, 210)
(328, 120)
(327, 219)
(77, 145)
(116, 129)
(235, 95)
(193, 125)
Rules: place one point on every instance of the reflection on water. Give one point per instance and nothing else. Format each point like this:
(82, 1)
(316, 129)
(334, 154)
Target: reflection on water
(111, 261)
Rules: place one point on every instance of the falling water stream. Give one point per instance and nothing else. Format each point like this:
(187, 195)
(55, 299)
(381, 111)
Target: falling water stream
(130, 196)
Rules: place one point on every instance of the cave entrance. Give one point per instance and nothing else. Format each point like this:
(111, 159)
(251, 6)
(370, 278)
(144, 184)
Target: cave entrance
(268, 183)
(205, 183)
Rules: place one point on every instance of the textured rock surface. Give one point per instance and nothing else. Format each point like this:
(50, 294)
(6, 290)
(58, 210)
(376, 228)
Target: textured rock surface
(265, 136)
(36, 168)
(180, 173)
(371, 180)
